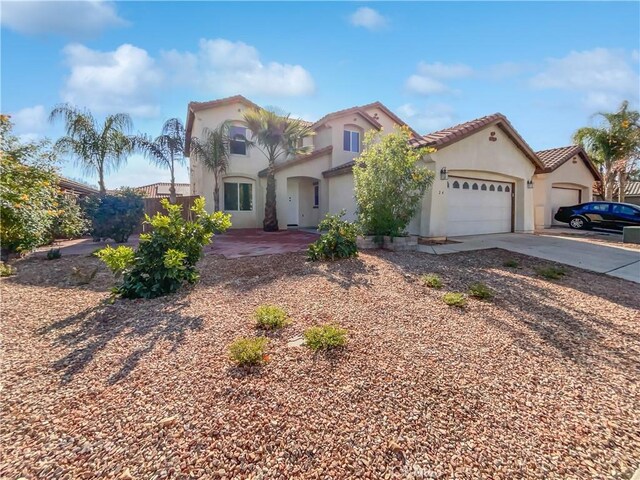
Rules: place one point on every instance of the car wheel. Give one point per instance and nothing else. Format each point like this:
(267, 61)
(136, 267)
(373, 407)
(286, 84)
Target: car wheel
(578, 223)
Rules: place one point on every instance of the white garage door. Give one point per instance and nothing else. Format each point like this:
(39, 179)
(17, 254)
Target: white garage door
(478, 206)
(563, 197)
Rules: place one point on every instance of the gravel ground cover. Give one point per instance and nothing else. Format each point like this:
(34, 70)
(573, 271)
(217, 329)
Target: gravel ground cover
(541, 382)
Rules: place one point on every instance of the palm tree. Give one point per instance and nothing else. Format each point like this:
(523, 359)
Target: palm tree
(165, 150)
(213, 151)
(97, 148)
(276, 136)
(612, 145)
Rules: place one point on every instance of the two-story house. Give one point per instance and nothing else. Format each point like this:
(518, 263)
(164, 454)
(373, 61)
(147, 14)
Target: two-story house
(487, 179)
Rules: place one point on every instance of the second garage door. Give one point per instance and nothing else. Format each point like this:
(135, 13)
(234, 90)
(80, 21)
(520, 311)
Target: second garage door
(563, 197)
(478, 206)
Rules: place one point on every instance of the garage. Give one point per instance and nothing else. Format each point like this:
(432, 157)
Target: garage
(478, 206)
(563, 197)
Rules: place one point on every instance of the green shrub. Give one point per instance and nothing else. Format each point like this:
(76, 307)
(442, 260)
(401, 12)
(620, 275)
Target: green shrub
(339, 240)
(6, 270)
(115, 215)
(325, 337)
(70, 221)
(432, 280)
(166, 258)
(511, 264)
(54, 254)
(271, 317)
(551, 273)
(480, 291)
(389, 182)
(248, 351)
(454, 299)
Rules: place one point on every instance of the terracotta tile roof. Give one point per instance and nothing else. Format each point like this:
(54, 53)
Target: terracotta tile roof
(445, 137)
(555, 157)
(339, 170)
(299, 159)
(347, 111)
(632, 189)
(161, 190)
(393, 116)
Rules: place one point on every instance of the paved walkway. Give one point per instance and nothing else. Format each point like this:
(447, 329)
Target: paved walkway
(612, 259)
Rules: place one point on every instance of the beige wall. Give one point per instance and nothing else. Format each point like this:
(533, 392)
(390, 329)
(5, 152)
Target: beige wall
(572, 174)
(477, 157)
(341, 196)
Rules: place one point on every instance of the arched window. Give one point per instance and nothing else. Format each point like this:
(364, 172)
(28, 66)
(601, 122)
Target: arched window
(465, 186)
(499, 188)
(492, 188)
(507, 189)
(475, 186)
(456, 184)
(483, 187)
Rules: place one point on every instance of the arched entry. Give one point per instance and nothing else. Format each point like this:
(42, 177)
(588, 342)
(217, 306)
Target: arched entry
(303, 202)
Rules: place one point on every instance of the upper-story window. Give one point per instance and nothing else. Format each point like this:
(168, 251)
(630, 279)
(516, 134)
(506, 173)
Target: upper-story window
(351, 141)
(238, 144)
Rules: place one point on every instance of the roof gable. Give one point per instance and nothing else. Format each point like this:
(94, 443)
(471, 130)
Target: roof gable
(448, 136)
(553, 158)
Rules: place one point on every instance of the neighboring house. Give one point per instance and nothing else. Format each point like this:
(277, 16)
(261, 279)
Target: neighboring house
(485, 172)
(161, 190)
(632, 193)
(566, 179)
(77, 189)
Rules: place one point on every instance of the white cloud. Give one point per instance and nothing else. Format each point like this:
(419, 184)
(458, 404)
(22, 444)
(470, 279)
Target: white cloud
(429, 78)
(428, 119)
(225, 67)
(72, 19)
(604, 77)
(30, 123)
(368, 18)
(124, 80)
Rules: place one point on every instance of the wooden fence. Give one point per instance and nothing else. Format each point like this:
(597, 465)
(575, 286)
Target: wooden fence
(153, 206)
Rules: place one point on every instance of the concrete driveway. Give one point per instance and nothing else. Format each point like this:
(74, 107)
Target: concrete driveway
(614, 259)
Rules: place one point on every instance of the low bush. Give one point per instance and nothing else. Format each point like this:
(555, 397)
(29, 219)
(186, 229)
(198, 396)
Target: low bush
(454, 299)
(115, 215)
(338, 241)
(6, 270)
(70, 221)
(325, 337)
(54, 254)
(248, 351)
(432, 280)
(271, 317)
(511, 264)
(551, 273)
(481, 291)
(166, 257)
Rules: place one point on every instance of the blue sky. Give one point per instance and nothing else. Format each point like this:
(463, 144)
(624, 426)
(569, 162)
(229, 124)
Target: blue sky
(548, 66)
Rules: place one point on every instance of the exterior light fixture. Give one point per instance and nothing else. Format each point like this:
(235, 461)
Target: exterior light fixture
(529, 183)
(443, 173)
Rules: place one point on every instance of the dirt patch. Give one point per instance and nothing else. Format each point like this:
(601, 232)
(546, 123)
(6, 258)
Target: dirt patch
(542, 382)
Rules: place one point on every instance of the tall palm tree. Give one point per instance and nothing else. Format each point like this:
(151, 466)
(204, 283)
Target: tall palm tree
(212, 149)
(165, 150)
(276, 136)
(98, 148)
(612, 144)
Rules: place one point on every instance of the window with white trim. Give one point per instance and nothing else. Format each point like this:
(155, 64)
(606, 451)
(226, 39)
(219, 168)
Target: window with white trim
(238, 143)
(351, 141)
(238, 197)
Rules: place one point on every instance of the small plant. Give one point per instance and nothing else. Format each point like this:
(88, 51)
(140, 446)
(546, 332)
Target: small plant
(117, 259)
(454, 299)
(54, 254)
(271, 317)
(551, 273)
(511, 263)
(325, 337)
(481, 291)
(6, 270)
(339, 240)
(432, 280)
(248, 351)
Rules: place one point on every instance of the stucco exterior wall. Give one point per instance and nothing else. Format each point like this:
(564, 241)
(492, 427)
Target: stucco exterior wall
(572, 174)
(477, 157)
(342, 196)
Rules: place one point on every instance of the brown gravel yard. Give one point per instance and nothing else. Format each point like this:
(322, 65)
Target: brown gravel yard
(543, 382)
